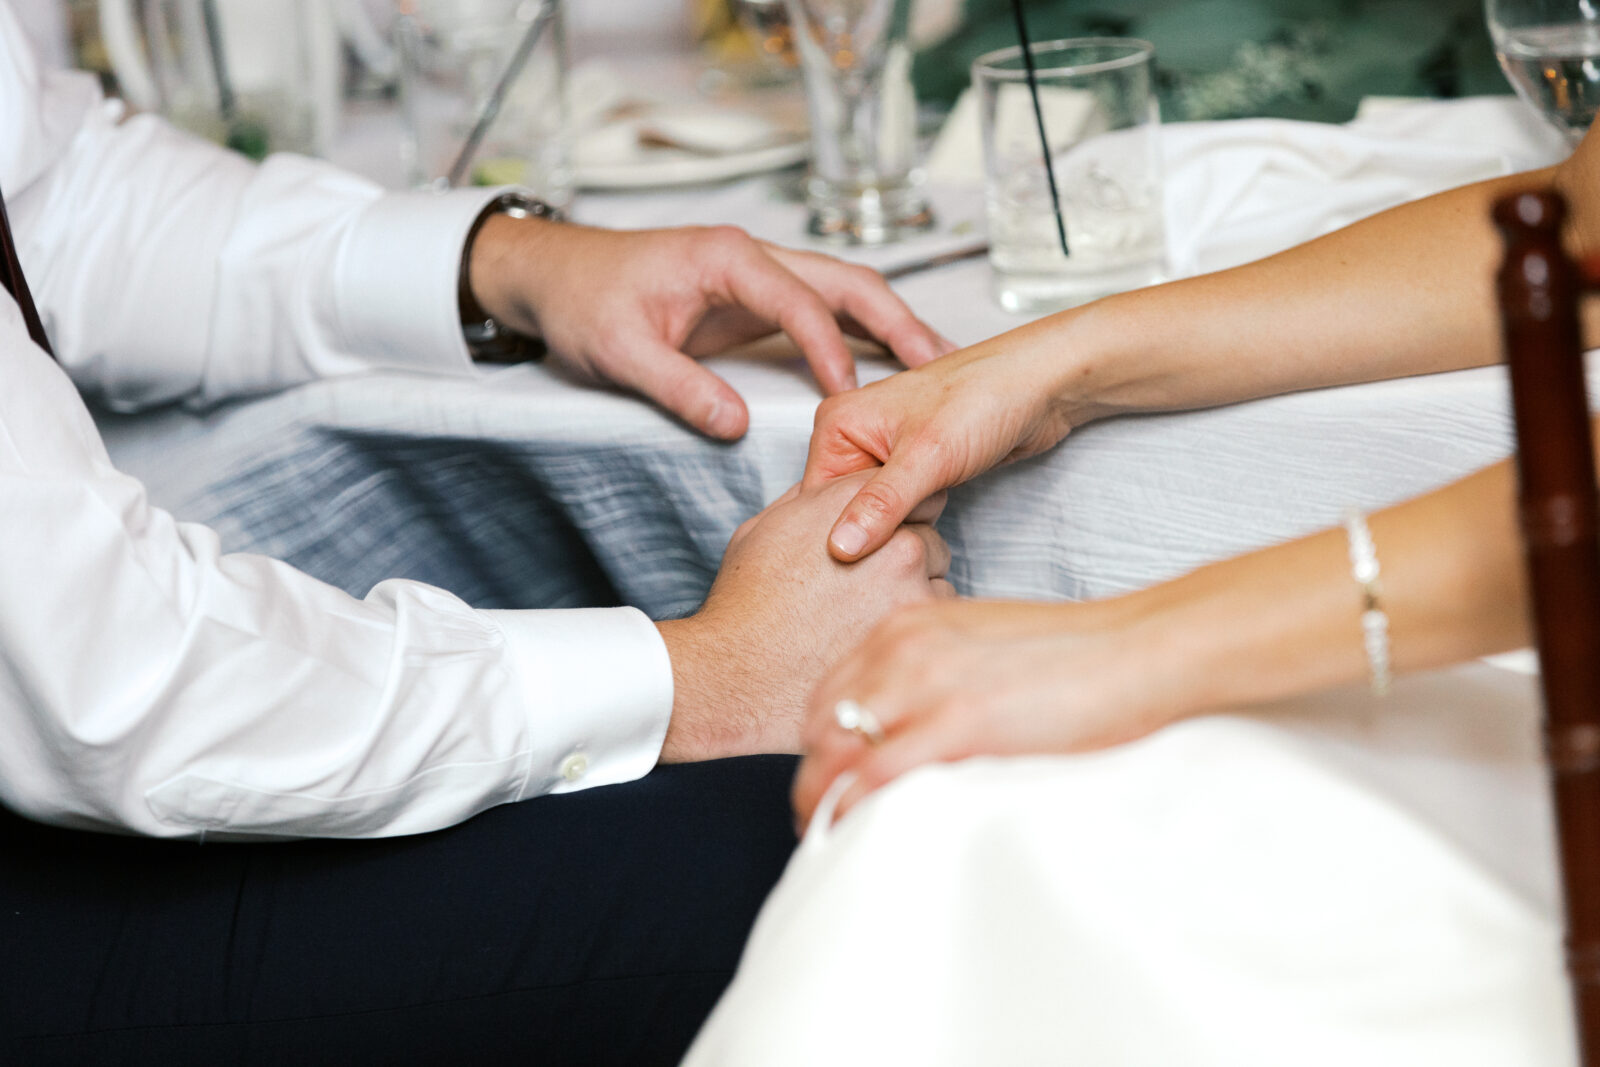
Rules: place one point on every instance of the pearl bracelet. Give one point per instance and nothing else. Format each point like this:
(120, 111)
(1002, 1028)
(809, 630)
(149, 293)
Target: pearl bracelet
(1374, 620)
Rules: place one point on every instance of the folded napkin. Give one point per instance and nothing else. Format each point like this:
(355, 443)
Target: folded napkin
(1242, 189)
(620, 122)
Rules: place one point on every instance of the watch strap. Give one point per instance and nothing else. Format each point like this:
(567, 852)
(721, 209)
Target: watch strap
(488, 340)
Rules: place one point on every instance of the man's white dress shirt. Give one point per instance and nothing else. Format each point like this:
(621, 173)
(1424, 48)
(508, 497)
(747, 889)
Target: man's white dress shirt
(150, 681)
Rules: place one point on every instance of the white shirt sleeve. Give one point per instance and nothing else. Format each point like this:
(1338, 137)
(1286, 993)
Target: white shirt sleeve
(150, 682)
(166, 268)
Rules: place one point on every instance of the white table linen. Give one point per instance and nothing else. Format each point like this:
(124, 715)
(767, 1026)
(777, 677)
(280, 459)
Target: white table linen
(540, 491)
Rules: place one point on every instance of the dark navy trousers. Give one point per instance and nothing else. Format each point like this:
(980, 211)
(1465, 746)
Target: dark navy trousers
(596, 927)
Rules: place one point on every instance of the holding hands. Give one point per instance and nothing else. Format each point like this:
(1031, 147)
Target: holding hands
(781, 613)
(924, 432)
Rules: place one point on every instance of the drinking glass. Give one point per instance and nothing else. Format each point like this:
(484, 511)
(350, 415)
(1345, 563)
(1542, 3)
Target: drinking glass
(855, 56)
(1101, 123)
(455, 56)
(258, 77)
(1550, 52)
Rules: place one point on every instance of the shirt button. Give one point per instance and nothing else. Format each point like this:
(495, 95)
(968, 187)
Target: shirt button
(575, 766)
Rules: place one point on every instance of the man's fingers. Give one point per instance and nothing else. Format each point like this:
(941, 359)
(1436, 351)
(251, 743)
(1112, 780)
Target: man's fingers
(687, 389)
(761, 285)
(860, 294)
(935, 550)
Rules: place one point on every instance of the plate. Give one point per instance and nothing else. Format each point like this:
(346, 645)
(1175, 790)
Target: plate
(675, 166)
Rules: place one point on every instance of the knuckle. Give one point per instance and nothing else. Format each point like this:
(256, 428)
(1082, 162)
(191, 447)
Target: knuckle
(862, 278)
(726, 239)
(830, 412)
(878, 501)
(906, 551)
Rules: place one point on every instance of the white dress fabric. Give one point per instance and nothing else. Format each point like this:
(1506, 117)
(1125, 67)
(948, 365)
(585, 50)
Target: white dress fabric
(1329, 881)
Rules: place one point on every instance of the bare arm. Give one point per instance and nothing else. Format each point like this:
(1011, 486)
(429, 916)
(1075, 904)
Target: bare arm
(953, 679)
(1407, 291)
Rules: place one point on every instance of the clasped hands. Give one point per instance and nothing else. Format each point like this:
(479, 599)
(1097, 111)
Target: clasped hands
(837, 590)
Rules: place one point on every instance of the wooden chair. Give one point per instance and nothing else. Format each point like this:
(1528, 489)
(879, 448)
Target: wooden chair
(1539, 290)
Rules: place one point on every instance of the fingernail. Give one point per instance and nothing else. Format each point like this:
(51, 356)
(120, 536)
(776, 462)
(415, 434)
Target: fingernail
(723, 420)
(849, 538)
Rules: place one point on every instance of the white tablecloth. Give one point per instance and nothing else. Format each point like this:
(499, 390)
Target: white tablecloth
(528, 490)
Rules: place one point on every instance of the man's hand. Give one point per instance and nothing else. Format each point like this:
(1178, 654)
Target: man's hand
(637, 307)
(781, 613)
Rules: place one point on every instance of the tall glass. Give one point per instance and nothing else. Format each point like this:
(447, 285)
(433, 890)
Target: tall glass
(1550, 52)
(258, 77)
(1101, 124)
(855, 56)
(464, 62)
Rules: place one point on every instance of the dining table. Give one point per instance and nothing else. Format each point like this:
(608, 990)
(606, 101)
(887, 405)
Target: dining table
(525, 487)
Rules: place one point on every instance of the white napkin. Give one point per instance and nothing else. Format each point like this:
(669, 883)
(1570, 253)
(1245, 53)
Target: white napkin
(619, 122)
(1243, 189)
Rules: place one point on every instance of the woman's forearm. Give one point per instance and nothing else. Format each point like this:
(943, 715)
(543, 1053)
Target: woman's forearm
(1407, 291)
(1286, 620)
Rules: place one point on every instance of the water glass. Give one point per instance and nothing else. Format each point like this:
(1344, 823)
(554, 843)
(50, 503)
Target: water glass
(855, 56)
(1550, 52)
(258, 77)
(1102, 127)
(457, 65)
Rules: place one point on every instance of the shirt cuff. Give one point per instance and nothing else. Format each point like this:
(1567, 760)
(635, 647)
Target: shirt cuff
(397, 279)
(597, 683)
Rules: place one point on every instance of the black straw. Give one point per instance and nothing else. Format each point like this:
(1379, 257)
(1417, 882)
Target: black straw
(1038, 118)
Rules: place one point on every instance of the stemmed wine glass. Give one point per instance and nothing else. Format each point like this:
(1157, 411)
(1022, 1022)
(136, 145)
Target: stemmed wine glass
(1550, 51)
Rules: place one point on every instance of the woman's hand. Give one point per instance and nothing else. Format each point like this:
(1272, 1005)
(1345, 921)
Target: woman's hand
(637, 307)
(939, 426)
(952, 679)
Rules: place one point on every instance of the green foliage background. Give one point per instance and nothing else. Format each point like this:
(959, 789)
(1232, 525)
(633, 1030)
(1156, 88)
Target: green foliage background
(1303, 59)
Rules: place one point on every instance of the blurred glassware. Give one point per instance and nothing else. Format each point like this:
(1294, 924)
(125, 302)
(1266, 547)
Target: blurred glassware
(258, 77)
(745, 44)
(767, 24)
(855, 55)
(1103, 129)
(489, 76)
(1550, 52)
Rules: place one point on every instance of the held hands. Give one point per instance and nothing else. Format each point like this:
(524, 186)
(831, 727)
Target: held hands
(955, 678)
(637, 307)
(935, 427)
(781, 613)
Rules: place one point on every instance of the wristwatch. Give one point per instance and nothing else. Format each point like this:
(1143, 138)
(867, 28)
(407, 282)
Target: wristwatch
(488, 340)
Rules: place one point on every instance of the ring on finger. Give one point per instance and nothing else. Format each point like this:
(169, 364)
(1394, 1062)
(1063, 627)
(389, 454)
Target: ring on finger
(859, 720)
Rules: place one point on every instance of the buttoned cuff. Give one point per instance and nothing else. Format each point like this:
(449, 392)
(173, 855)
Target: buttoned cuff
(597, 684)
(397, 279)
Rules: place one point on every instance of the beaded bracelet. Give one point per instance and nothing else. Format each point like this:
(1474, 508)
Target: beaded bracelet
(1374, 620)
